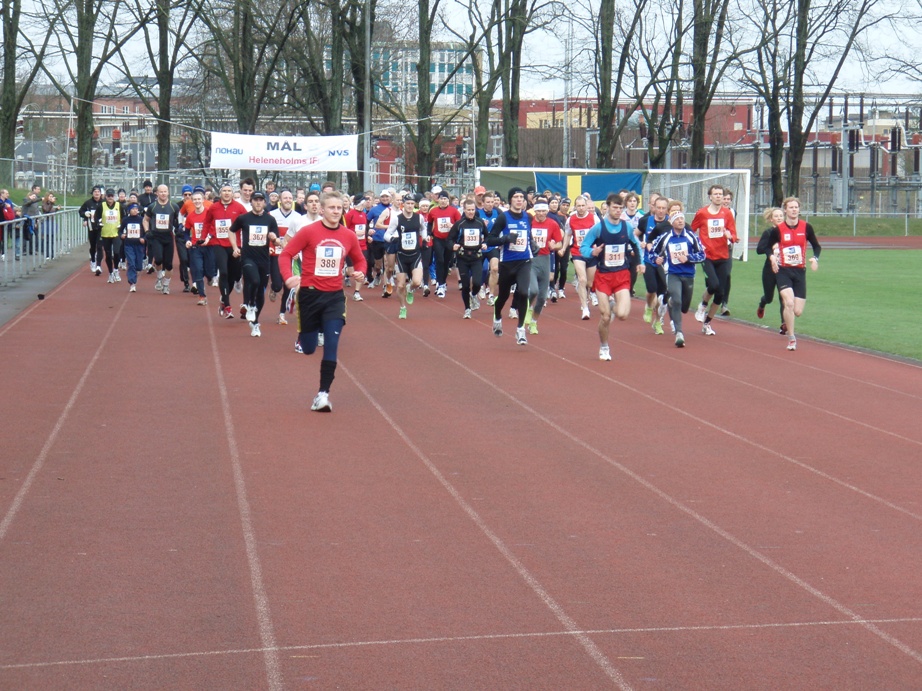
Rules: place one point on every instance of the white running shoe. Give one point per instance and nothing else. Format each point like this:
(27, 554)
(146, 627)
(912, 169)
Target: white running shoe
(520, 337)
(513, 313)
(321, 403)
(214, 282)
(585, 314)
(594, 298)
(238, 286)
(133, 288)
(92, 266)
(605, 353)
(357, 296)
(701, 312)
(254, 330)
(281, 320)
(298, 348)
(561, 294)
(792, 343)
(111, 278)
(467, 314)
(118, 278)
(497, 327)
(680, 340)
(483, 293)
(251, 313)
(440, 292)
(158, 286)
(491, 300)
(708, 330)
(320, 341)
(475, 302)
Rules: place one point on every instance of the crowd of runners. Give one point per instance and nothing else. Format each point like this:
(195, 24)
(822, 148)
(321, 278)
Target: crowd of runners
(304, 250)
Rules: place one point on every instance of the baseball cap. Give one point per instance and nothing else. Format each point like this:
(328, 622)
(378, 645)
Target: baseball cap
(565, 200)
(480, 189)
(315, 187)
(110, 192)
(198, 188)
(443, 194)
(133, 206)
(258, 195)
(436, 189)
(187, 189)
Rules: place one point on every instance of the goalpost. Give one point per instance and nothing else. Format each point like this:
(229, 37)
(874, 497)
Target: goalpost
(691, 188)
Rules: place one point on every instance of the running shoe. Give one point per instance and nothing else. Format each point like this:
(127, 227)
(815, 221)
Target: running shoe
(214, 282)
(483, 293)
(440, 292)
(467, 313)
(118, 278)
(321, 403)
(92, 267)
(410, 297)
(679, 340)
(708, 330)
(281, 320)
(194, 289)
(657, 327)
(784, 329)
(403, 313)
(605, 353)
(347, 281)
(166, 288)
(389, 287)
(662, 309)
(203, 302)
(513, 313)
(491, 300)
(648, 314)
(228, 313)
(561, 294)
(133, 288)
(792, 343)
(298, 348)
(158, 286)
(254, 330)
(186, 288)
(724, 310)
(243, 312)
(151, 268)
(460, 285)
(272, 295)
(585, 314)
(497, 327)
(475, 302)
(761, 311)
(520, 337)
(357, 296)
(320, 340)
(426, 291)
(701, 312)
(594, 298)
(238, 286)
(532, 327)
(553, 295)
(251, 313)
(111, 278)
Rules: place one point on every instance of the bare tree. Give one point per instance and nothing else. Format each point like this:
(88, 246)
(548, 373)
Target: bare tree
(165, 39)
(90, 34)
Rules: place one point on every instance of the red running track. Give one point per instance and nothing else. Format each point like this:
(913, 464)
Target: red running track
(473, 514)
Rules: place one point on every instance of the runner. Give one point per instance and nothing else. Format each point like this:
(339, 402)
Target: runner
(789, 242)
(489, 213)
(161, 224)
(378, 220)
(548, 238)
(650, 227)
(774, 217)
(88, 215)
(201, 258)
(728, 204)
(563, 257)
(609, 241)
(109, 217)
(321, 301)
(441, 219)
(716, 230)
(511, 232)
(577, 226)
(259, 231)
(218, 219)
(407, 231)
(680, 250)
(357, 221)
(467, 237)
(289, 222)
(132, 234)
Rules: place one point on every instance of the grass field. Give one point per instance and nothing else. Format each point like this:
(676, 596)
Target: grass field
(867, 298)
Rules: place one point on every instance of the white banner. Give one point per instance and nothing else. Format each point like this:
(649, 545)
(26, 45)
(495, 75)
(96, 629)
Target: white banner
(259, 152)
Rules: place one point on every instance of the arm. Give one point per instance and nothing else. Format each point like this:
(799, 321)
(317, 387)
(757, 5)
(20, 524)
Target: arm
(495, 237)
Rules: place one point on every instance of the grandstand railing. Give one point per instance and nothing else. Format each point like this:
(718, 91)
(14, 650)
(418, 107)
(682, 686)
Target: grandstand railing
(31, 245)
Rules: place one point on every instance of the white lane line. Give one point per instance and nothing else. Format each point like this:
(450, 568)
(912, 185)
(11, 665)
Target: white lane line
(710, 525)
(263, 615)
(588, 645)
(462, 639)
(53, 437)
(694, 417)
(10, 324)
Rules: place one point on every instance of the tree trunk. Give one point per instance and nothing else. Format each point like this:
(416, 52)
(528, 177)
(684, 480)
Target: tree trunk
(9, 101)
(775, 147)
(165, 84)
(604, 156)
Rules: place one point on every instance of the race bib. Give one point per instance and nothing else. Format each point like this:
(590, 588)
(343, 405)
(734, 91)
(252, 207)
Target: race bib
(133, 231)
(408, 241)
(259, 236)
(444, 225)
(716, 228)
(163, 222)
(197, 231)
(222, 228)
(793, 256)
(581, 235)
(678, 254)
(360, 231)
(111, 216)
(471, 237)
(540, 236)
(328, 261)
(614, 255)
(521, 242)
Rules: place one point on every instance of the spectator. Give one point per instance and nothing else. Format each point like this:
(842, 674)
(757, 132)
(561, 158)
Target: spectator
(49, 225)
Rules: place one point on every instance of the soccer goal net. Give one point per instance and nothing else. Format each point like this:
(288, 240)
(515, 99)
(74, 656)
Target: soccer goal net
(691, 188)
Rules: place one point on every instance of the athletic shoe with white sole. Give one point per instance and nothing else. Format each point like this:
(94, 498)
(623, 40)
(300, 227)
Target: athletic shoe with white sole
(321, 403)
(497, 327)
(648, 314)
(594, 298)
(605, 353)
(403, 313)
(410, 297)
(680, 340)
(708, 330)
(133, 288)
(520, 337)
(792, 343)
(701, 312)
(532, 327)
(467, 313)
(254, 330)
(281, 320)
(251, 313)
(657, 327)
(475, 302)
(585, 314)
(357, 296)
(513, 313)
(320, 340)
